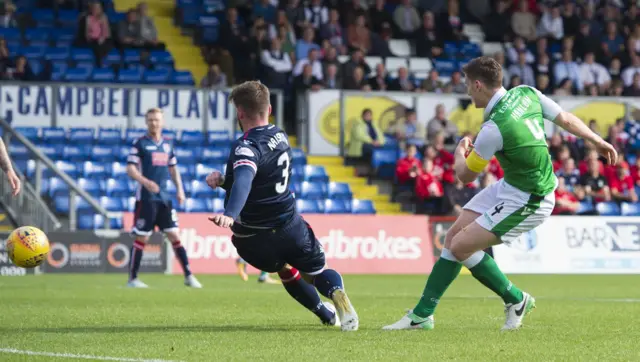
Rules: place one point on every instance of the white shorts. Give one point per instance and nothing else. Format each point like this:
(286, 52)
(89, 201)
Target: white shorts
(508, 212)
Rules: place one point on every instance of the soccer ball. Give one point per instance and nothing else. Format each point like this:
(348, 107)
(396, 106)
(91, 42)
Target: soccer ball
(27, 246)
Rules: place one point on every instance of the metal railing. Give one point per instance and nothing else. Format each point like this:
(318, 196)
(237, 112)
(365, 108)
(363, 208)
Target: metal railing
(21, 206)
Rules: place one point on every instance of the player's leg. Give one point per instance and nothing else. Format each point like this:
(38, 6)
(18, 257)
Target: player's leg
(241, 265)
(142, 228)
(265, 278)
(167, 221)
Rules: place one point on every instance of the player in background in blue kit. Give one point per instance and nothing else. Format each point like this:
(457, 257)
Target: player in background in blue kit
(263, 278)
(151, 162)
(268, 231)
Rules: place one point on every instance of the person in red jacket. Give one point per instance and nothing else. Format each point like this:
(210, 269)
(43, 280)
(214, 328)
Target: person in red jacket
(494, 168)
(583, 166)
(566, 202)
(428, 185)
(635, 172)
(621, 185)
(610, 171)
(408, 167)
(563, 154)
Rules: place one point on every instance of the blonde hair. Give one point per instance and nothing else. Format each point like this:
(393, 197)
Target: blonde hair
(154, 110)
(252, 97)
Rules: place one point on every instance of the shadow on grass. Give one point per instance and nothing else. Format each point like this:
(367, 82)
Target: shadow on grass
(146, 329)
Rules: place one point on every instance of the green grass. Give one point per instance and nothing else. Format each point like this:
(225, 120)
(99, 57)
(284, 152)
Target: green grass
(586, 318)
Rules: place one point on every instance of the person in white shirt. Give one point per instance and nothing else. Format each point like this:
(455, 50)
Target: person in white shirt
(566, 68)
(594, 73)
(518, 47)
(523, 70)
(311, 59)
(277, 63)
(551, 24)
(316, 14)
(630, 71)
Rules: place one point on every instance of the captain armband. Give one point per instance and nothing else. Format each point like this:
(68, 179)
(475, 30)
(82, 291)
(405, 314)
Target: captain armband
(476, 163)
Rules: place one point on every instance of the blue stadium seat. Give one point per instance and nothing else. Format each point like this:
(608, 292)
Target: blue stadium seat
(92, 186)
(186, 171)
(138, 67)
(188, 155)
(155, 77)
(451, 48)
(209, 27)
(90, 221)
(131, 76)
(215, 155)
(384, 162)
(70, 168)
(630, 209)
(88, 66)
(54, 135)
(585, 208)
(36, 67)
(19, 152)
(298, 157)
(119, 170)
(297, 174)
(57, 54)
(43, 17)
(58, 70)
(220, 138)
(68, 18)
(115, 204)
(337, 207)
(77, 75)
(315, 174)
(129, 203)
(81, 135)
(445, 67)
(200, 189)
(57, 187)
(471, 50)
(109, 136)
(217, 206)
(113, 58)
(131, 56)
(608, 209)
(160, 57)
(313, 190)
(30, 133)
(61, 205)
(75, 153)
(95, 170)
(63, 35)
(37, 35)
(99, 153)
(182, 77)
(33, 52)
(117, 188)
(309, 206)
(169, 135)
(10, 34)
(82, 55)
(54, 151)
(115, 17)
(103, 75)
(362, 207)
(133, 134)
(339, 191)
(197, 205)
(192, 138)
(202, 171)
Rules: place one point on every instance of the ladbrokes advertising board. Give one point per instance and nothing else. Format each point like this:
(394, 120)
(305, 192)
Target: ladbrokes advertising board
(355, 244)
(576, 245)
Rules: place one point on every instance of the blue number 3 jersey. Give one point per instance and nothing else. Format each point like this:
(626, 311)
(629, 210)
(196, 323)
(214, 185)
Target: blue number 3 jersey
(265, 150)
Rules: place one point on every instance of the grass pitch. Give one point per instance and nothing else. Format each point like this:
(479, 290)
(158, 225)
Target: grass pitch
(587, 318)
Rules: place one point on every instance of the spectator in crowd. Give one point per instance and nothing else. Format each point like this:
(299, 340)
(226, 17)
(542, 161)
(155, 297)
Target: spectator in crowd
(379, 81)
(615, 69)
(277, 65)
(234, 37)
(612, 43)
(295, 15)
(288, 40)
(500, 58)
(456, 84)
(406, 19)
(633, 42)
(330, 57)
(5, 59)
(566, 202)
(519, 47)
(357, 60)
(551, 25)
(265, 10)
(523, 70)
(351, 10)
(408, 167)
(7, 15)
(148, 31)
(439, 124)
(333, 31)
(379, 16)
(565, 88)
(621, 184)
(306, 43)
(589, 16)
(630, 71)
(306, 80)
(591, 156)
(566, 68)
(543, 84)
(585, 41)
(410, 131)
(214, 78)
(97, 31)
(427, 40)
(365, 137)
(316, 14)
(616, 89)
(359, 36)
(592, 73)
(450, 23)
(617, 136)
(593, 184)
(432, 83)
(630, 19)
(515, 81)
(428, 185)
(20, 71)
(313, 61)
(493, 168)
(570, 19)
(457, 195)
(543, 66)
(555, 144)
(523, 22)
(442, 159)
(357, 81)
(635, 172)
(331, 79)
(129, 31)
(560, 157)
(497, 25)
(569, 174)
(403, 83)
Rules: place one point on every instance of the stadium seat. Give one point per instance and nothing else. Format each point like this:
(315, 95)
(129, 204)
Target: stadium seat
(191, 138)
(400, 47)
(30, 133)
(130, 76)
(339, 191)
(77, 75)
(309, 206)
(10, 34)
(90, 221)
(117, 188)
(112, 203)
(451, 49)
(109, 136)
(138, 67)
(70, 168)
(95, 170)
(186, 171)
(337, 207)
(37, 35)
(131, 56)
(217, 206)
(170, 189)
(445, 67)
(362, 207)
(393, 64)
(202, 171)
(103, 75)
(81, 135)
(313, 190)
(298, 157)
(91, 186)
(181, 77)
(58, 70)
(373, 62)
(129, 203)
(220, 138)
(315, 174)
(188, 155)
(82, 55)
(43, 17)
(297, 174)
(470, 50)
(155, 77)
(383, 162)
(57, 54)
(19, 152)
(75, 153)
(36, 67)
(33, 52)
(608, 209)
(113, 58)
(56, 187)
(67, 18)
(197, 205)
(53, 151)
(585, 208)
(100, 153)
(420, 67)
(200, 189)
(630, 209)
(133, 134)
(54, 135)
(122, 152)
(160, 57)
(215, 155)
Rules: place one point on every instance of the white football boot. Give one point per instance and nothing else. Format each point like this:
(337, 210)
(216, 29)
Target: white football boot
(136, 283)
(348, 316)
(192, 282)
(515, 313)
(411, 321)
(335, 322)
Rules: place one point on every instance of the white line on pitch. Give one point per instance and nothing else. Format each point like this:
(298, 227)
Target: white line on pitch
(78, 356)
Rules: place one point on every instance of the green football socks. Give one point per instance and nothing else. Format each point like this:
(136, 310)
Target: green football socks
(488, 273)
(443, 274)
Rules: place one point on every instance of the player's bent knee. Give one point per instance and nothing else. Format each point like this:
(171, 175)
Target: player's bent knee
(289, 274)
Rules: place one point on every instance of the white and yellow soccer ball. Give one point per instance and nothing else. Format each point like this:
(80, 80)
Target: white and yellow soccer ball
(27, 246)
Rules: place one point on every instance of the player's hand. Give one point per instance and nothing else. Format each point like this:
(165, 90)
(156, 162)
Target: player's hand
(215, 179)
(222, 221)
(180, 197)
(14, 180)
(607, 151)
(465, 145)
(152, 187)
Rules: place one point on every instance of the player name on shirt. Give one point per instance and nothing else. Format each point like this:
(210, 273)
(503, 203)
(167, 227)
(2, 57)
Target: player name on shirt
(277, 139)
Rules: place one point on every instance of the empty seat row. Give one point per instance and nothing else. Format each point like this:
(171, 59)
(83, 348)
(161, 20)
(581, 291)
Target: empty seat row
(87, 55)
(610, 208)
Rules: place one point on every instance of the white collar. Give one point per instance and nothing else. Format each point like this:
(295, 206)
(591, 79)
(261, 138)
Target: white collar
(492, 102)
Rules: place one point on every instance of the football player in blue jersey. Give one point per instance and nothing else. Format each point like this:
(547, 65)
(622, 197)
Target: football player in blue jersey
(264, 277)
(268, 231)
(151, 163)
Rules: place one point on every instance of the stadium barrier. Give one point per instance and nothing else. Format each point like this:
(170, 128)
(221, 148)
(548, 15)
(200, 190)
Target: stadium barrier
(121, 106)
(331, 113)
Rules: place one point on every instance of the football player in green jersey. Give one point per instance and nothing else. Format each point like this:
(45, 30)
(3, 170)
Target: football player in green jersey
(513, 132)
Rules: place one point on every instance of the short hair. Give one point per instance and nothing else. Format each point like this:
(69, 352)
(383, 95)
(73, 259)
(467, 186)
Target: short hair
(153, 110)
(365, 111)
(484, 69)
(252, 97)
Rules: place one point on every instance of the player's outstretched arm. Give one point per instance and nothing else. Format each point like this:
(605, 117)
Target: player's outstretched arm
(242, 180)
(574, 125)
(7, 167)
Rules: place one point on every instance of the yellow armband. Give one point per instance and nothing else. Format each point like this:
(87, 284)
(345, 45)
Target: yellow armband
(475, 162)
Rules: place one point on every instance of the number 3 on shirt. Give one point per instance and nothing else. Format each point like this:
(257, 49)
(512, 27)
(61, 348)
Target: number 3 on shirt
(535, 129)
(283, 160)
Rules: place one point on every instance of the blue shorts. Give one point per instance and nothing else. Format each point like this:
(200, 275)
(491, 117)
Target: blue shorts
(294, 244)
(149, 214)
